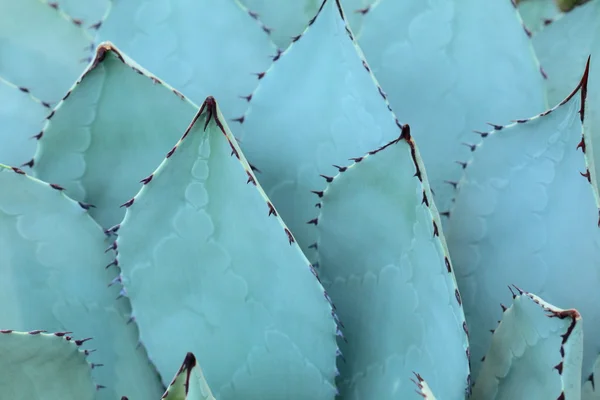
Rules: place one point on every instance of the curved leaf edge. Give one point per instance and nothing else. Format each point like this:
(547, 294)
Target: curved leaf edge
(210, 107)
(25, 91)
(428, 200)
(105, 49)
(283, 53)
(66, 336)
(86, 207)
(552, 312)
(585, 144)
(67, 17)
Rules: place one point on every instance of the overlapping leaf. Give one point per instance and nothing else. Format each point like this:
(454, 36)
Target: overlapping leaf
(318, 105)
(50, 366)
(563, 48)
(189, 383)
(114, 126)
(200, 47)
(524, 214)
(383, 261)
(41, 48)
(52, 263)
(21, 117)
(535, 353)
(286, 19)
(210, 268)
(449, 68)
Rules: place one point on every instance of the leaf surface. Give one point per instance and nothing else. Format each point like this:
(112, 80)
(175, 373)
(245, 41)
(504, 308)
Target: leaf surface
(524, 214)
(449, 68)
(38, 365)
(536, 353)
(210, 268)
(42, 49)
(112, 129)
(52, 263)
(296, 129)
(200, 47)
(383, 261)
(189, 383)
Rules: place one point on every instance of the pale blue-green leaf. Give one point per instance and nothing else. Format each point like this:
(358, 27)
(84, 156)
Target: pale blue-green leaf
(210, 268)
(537, 13)
(295, 129)
(189, 382)
(563, 48)
(287, 19)
(89, 12)
(449, 68)
(590, 391)
(384, 264)
(200, 47)
(41, 49)
(535, 353)
(115, 126)
(525, 215)
(49, 366)
(52, 263)
(21, 117)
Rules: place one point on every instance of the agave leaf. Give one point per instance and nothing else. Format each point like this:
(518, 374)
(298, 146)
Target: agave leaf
(114, 126)
(535, 353)
(590, 391)
(52, 263)
(423, 388)
(451, 67)
(286, 19)
(38, 365)
(295, 129)
(224, 277)
(525, 214)
(189, 383)
(563, 48)
(21, 117)
(383, 261)
(42, 49)
(89, 13)
(201, 47)
(538, 13)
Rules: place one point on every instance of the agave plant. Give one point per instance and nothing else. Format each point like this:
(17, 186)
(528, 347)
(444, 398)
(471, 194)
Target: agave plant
(286, 242)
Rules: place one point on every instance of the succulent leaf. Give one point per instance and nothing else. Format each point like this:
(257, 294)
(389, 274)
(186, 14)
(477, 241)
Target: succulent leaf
(112, 128)
(535, 353)
(563, 48)
(536, 14)
(21, 117)
(524, 214)
(451, 67)
(210, 267)
(189, 383)
(200, 47)
(296, 128)
(53, 272)
(590, 390)
(383, 261)
(42, 50)
(88, 13)
(39, 365)
(286, 19)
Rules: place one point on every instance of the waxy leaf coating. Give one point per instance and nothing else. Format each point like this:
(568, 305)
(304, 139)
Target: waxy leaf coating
(49, 366)
(383, 261)
(526, 213)
(210, 268)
